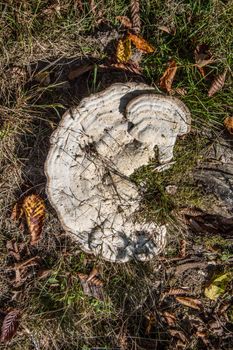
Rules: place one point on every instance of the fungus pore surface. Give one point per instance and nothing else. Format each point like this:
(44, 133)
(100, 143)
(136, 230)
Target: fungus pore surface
(94, 150)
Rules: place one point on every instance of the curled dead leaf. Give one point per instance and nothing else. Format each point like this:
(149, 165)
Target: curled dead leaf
(140, 43)
(178, 334)
(217, 84)
(123, 51)
(228, 122)
(167, 79)
(190, 302)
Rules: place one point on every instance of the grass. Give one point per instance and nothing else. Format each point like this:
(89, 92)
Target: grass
(56, 313)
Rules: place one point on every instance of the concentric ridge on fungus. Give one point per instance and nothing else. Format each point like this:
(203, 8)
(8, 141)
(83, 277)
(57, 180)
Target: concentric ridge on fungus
(94, 150)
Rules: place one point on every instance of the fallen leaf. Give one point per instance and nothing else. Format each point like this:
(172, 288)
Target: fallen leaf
(54, 8)
(123, 51)
(217, 286)
(93, 288)
(141, 44)
(10, 325)
(43, 78)
(228, 122)
(128, 66)
(169, 318)
(180, 91)
(176, 291)
(167, 79)
(44, 274)
(168, 30)
(202, 55)
(178, 334)
(217, 84)
(150, 322)
(190, 302)
(20, 267)
(17, 211)
(76, 72)
(135, 15)
(16, 249)
(183, 245)
(125, 21)
(34, 208)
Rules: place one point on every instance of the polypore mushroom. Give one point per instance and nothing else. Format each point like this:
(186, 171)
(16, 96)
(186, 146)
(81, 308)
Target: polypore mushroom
(94, 150)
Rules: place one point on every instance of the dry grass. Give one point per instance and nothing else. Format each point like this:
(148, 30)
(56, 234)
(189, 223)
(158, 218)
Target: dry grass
(52, 37)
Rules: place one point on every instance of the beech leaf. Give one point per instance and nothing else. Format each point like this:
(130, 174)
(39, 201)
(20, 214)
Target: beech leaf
(123, 52)
(167, 79)
(140, 43)
(34, 208)
(228, 122)
(217, 286)
(10, 325)
(190, 302)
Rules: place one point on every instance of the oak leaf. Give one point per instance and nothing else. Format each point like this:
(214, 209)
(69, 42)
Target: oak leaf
(140, 43)
(167, 79)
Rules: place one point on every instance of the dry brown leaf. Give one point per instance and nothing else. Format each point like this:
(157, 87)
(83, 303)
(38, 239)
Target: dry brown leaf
(125, 21)
(169, 318)
(176, 291)
(123, 51)
(15, 249)
(20, 268)
(150, 322)
(52, 9)
(202, 55)
(168, 30)
(10, 325)
(180, 91)
(135, 15)
(93, 288)
(183, 245)
(167, 79)
(43, 78)
(17, 211)
(190, 302)
(178, 334)
(76, 72)
(217, 84)
(34, 208)
(44, 274)
(129, 66)
(228, 122)
(141, 44)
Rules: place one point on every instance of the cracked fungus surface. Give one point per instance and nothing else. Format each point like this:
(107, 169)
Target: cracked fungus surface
(94, 150)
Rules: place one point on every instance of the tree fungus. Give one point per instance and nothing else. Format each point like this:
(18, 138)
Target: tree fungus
(95, 149)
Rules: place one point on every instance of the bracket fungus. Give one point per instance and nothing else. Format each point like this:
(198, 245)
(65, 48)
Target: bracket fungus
(94, 150)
